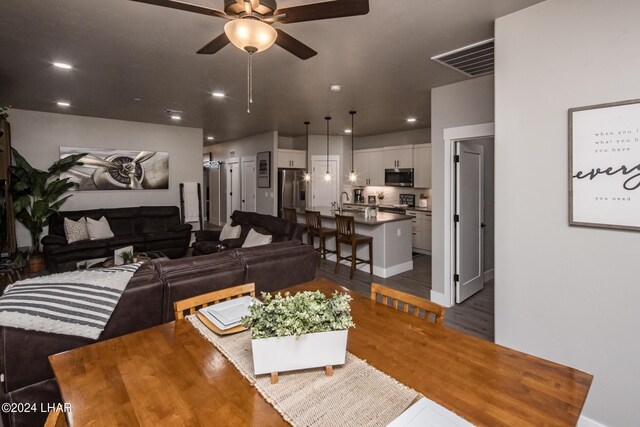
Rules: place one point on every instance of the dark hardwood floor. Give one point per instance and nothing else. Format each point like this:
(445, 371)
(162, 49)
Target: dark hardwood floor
(474, 316)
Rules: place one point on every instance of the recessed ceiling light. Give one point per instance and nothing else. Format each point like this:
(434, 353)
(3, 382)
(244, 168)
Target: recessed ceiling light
(62, 65)
(63, 104)
(175, 117)
(335, 88)
(210, 138)
(218, 94)
(411, 120)
(347, 131)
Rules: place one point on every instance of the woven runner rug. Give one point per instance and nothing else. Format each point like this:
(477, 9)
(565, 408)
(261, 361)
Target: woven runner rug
(357, 394)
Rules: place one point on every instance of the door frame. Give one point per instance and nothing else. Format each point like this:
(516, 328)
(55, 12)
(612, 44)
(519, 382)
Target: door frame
(228, 163)
(253, 182)
(451, 136)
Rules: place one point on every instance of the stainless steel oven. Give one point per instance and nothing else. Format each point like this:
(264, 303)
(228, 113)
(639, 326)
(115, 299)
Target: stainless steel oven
(398, 177)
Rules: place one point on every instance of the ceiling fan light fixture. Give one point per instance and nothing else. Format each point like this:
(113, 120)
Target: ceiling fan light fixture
(250, 34)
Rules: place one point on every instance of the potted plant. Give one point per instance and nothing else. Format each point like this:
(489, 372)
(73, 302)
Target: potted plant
(301, 331)
(380, 195)
(36, 195)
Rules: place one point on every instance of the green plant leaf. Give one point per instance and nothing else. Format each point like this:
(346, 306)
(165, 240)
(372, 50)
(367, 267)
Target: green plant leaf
(65, 164)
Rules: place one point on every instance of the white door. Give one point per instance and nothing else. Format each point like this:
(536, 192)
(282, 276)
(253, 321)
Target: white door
(249, 184)
(325, 192)
(233, 189)
(469, 220)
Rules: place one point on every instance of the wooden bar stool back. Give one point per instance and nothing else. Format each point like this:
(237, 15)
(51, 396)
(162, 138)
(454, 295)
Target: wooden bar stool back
(346, 228)
(315, 229)
(290, 214)
(190, 305)
(408, 303)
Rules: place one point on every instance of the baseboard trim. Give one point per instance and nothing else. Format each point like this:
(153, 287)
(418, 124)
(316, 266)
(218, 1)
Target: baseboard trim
(588, 422)
(378, 271)
(439, 298)
(489, 275)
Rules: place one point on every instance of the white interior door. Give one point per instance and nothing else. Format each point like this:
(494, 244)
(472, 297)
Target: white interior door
(233, 189)
(249, 184)
(325, 192)
(215, 184)
(469, 220)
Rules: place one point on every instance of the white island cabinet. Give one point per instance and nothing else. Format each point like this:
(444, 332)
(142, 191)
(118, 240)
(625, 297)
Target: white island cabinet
(391, 240)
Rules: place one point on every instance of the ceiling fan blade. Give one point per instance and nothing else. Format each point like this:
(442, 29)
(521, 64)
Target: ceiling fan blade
(294, 46)
(324, 10)
(215, 45)
(187, 7)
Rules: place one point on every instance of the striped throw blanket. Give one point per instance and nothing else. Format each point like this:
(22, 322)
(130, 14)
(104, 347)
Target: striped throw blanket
(75, 303)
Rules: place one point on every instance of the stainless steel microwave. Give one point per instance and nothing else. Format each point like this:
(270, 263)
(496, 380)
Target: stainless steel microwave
(398, 177)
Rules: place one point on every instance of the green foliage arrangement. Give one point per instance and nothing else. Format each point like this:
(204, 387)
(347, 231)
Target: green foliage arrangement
(294, 315)
(37, 194)
(127, 257)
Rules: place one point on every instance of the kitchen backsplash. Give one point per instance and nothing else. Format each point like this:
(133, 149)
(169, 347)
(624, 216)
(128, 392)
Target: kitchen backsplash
(392, 194)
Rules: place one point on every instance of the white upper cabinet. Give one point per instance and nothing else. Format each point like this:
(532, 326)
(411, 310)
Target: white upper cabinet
(422, 166)
(398, 157)
(369, 167)
(292, 158)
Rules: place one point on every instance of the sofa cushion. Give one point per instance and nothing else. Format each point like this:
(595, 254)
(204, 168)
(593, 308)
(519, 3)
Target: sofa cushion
(123, 221)
(256, 239)
(76, 231)
(229, 232)
(56, 220)
(158, 218)
(99, 230)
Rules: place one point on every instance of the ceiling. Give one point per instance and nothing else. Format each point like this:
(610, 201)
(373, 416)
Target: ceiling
(133, 61)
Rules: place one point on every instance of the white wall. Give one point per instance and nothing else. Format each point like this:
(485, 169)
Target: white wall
(38, 137)
(469, 102)
(249, 147)
(568, 294)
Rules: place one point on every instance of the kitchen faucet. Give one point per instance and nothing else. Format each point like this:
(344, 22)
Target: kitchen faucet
(346, 194)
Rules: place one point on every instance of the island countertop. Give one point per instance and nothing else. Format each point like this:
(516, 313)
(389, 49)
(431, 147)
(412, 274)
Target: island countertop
(359, 218)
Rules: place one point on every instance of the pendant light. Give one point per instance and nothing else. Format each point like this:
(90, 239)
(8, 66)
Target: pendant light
(352, 174)
(327, 174)
(307, 175)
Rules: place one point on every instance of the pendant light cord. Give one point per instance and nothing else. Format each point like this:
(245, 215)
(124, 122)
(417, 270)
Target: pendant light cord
(353, 113)
(327, 119)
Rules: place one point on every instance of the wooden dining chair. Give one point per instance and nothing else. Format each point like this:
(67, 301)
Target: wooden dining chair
(315, 229)
(410, 303)
(56, 419)
(290, 214)
(192, 304)
(346, 229)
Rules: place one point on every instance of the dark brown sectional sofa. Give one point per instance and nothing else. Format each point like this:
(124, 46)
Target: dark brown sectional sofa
(147, 301)
(146, 228)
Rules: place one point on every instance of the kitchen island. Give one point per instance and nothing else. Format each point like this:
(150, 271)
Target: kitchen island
(391, 239)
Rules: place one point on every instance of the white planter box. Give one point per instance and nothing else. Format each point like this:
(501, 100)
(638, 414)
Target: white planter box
(281, 354)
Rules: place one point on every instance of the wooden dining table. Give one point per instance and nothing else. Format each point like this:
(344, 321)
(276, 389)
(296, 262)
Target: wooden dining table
(171, 375)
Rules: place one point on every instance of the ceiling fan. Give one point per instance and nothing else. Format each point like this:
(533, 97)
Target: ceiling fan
(250, 22)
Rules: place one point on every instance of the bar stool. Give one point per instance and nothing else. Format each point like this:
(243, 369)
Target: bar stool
(346, 228)
(290, 214)
(315, 229)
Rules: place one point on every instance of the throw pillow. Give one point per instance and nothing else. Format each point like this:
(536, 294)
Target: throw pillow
(256, 239)
(229, 232)
(76, 230)
(99, 229)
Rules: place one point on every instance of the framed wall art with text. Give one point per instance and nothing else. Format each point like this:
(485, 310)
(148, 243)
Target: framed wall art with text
(604, 165)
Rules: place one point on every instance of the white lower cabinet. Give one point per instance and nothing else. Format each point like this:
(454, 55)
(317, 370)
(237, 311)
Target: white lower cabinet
(421, 229)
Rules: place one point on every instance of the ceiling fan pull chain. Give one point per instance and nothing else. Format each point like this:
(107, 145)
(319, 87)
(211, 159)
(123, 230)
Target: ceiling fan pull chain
(249, 83)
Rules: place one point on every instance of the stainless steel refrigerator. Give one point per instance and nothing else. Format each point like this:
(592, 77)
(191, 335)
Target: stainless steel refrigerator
(292, 189)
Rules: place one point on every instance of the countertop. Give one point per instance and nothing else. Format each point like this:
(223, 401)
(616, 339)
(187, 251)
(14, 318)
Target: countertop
(409, 208)
(381, 218)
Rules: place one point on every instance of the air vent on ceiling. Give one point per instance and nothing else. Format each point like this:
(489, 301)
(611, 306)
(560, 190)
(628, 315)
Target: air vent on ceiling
(473, 60)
